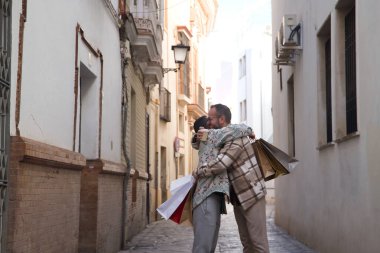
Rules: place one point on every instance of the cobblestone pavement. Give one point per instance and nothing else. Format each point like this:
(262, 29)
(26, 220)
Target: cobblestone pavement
(166, 236)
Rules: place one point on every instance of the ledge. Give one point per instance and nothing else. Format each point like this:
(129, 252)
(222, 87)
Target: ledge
(139, 174)
(183, 99)
(347, 137)
(195, 110)
(106, 167)
(325, 146)
(31, 151)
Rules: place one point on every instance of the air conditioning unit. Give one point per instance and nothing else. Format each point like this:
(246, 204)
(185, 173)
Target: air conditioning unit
(280, 51)
(288, 40)
(290, 32)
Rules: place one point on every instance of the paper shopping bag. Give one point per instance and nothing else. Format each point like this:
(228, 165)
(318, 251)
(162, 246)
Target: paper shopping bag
(272, 161)
(180, 196)
(184, 212)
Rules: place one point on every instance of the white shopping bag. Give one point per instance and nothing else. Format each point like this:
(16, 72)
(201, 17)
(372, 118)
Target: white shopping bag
(179, 189)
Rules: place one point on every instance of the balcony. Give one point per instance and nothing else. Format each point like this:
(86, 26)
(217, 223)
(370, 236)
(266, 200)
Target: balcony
(145, 37)
(194, 111)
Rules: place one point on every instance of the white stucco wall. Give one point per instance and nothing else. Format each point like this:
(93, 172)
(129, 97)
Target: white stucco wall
(331, 201)
(47, 89)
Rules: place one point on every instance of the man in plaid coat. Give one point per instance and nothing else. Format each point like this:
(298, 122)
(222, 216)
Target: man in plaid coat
(247, 183)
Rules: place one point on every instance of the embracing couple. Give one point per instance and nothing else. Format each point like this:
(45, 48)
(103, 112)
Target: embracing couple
(227, 170)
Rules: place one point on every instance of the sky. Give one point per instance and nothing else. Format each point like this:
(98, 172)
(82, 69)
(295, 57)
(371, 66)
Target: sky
(235, 19)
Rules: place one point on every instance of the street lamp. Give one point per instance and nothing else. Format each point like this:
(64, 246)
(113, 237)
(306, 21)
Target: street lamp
(180, 55)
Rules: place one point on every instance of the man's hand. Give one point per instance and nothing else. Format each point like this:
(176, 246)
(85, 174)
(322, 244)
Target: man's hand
(194, 174)
(252, 136)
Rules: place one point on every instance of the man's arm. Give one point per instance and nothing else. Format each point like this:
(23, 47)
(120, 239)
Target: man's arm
(228, 154)
(229, 133)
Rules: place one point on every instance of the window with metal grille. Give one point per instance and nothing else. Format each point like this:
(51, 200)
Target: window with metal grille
(184, 82)
(5, 84)
(165, 105)
(184, 71)
(350, 65)
(201, 96)
(328, 90)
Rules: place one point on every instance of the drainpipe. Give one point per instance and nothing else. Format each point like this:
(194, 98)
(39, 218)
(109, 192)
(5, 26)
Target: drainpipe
(124, 123)
(19, 66)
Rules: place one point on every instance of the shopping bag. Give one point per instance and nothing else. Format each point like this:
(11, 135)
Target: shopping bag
(179, 203)
(272, 161)
(185, 210)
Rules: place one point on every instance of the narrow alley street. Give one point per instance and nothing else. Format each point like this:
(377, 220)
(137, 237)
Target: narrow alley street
(166, 236)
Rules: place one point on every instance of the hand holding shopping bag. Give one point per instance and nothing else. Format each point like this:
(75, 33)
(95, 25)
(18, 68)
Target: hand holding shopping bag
(272, 161)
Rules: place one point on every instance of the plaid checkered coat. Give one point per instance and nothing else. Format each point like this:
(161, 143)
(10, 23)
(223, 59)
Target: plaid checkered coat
(238, 158)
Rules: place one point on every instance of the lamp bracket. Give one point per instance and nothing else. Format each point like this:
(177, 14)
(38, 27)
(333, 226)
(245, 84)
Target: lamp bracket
(166, 70)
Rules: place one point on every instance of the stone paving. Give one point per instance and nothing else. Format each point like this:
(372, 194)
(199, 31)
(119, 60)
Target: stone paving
(166, 236)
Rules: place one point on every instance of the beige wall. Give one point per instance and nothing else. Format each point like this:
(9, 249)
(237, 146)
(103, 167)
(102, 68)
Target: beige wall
(331, 201)
(136, 146)
(196, 19)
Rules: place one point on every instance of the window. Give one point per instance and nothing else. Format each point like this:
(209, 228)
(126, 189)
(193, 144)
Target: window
(201, 96)
(344, 83)
(181, 169)
(325, 85)
(243, 110)
(181, 122)
(184, 71)
(242, 67)
(328, 90)
(350, 64)
(291, 125)
(165, 106)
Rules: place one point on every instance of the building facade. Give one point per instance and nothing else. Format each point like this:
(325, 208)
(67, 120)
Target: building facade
(65, 169)
(326, 113)
(76, 88)
(182, 94)
(93, 128)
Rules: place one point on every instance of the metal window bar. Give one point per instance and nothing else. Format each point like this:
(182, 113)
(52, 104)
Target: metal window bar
(5, 65)
(328, 90)
(201, 96)
(184, 80)
(350, 58)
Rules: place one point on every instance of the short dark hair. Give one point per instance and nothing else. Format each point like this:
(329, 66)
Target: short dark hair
(200, 122)
(222, 110)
